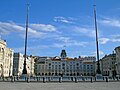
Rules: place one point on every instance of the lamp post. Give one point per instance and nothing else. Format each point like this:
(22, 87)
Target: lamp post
(26, 35)
(98, 71)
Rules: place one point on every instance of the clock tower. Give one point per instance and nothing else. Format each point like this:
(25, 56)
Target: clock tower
(63, 55)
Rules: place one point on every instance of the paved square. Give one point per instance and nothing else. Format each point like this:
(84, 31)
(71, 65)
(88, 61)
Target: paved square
(60, 86)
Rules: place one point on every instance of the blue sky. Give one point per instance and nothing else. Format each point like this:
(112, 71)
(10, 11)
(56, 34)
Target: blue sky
(54, 24)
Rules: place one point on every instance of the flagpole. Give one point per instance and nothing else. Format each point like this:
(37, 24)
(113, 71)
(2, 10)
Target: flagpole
(98, 71)
(26, 35)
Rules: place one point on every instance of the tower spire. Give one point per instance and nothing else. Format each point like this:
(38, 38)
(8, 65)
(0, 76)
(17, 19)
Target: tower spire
(26, 35)
(98, 63)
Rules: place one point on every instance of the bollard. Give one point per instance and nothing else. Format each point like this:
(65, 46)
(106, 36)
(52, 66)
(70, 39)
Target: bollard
(25, 78)
(69, 78)
(44, 80)
(76, 80)
(17, 78)
(3, 78)
(12, 80)
(113, 78)
(95, 78)
(37, 79)
(83, 78)
(103, 78)
(117, 78)
(7, 78)
(28, 80)
(91, 80)
(106, 79)
(49, 79)
(60, 79)
(72, 78)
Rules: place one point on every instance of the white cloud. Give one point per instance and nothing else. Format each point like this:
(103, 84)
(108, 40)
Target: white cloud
(43, 27)
(74, 43)
(32, 49)
(110, 22)
(20, 49)
(9, 27)
(116, 38)
(41, 47)
(63, 39)
(58, 45)
(104, 40)
(67, 41)
(84, 31)
(113, 38)
(35, 34)
(101, 53)
(63, 19)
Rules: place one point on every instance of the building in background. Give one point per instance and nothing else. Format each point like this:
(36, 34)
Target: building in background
(6, 59)
(117, 50)
(32, 65)
(40, 65)
(18, 62)
(108, 65)
(65, 66)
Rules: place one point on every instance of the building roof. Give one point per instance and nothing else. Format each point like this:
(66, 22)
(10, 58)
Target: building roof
(117, 47)
(110, 55)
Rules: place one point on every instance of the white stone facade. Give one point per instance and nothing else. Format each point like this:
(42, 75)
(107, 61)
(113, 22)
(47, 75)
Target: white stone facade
(6, 60)
(67, 66)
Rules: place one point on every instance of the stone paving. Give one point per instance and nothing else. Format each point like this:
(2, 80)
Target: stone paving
(60, 86)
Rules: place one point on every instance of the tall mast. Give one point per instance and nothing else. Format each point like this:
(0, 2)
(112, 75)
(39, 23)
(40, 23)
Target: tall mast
(26, 35)
(98, 63)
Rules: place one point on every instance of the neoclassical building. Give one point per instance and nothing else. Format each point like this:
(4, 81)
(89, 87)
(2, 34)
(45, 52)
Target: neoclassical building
(108, 66)
(117, 50)
(65, 66)
(6, 59)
